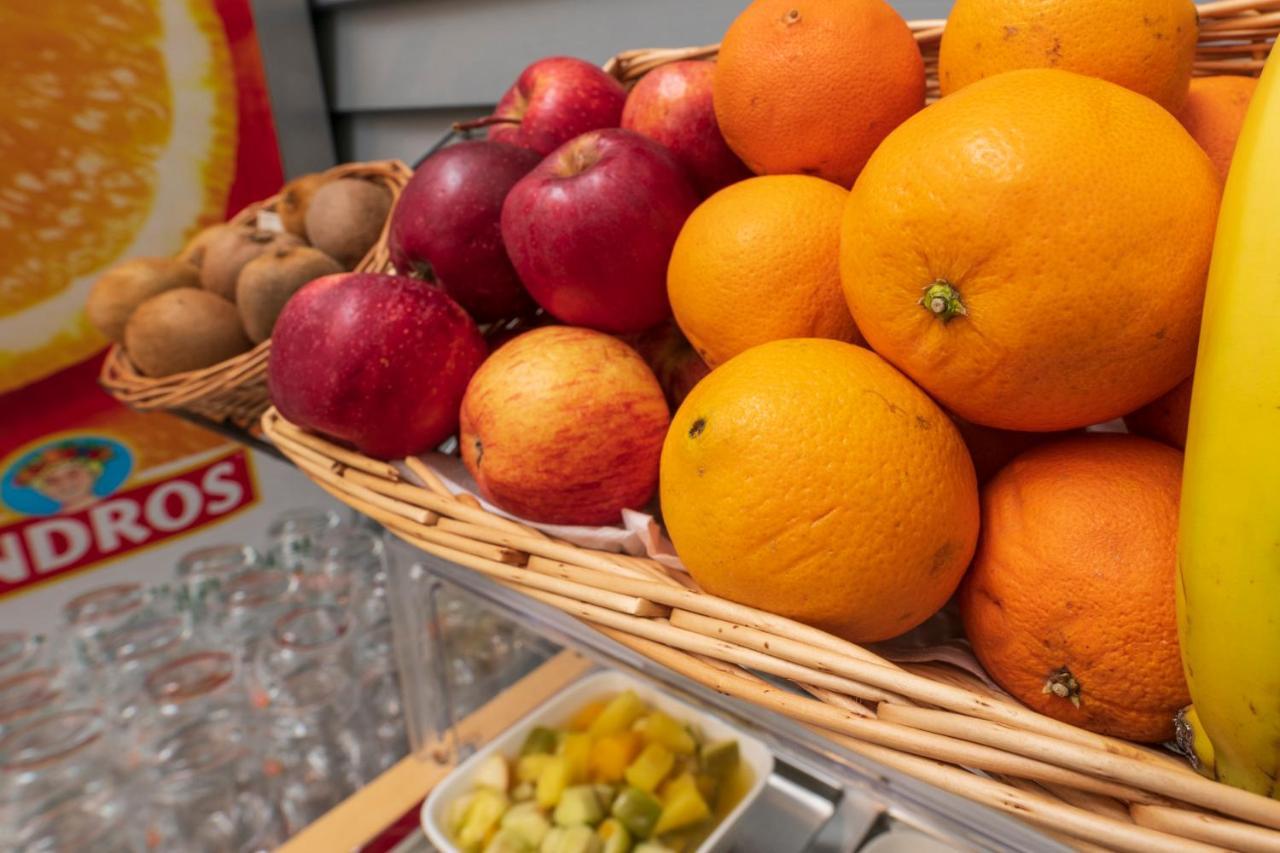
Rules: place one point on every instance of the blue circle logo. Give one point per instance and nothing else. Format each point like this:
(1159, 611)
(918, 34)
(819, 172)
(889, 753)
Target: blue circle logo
(65, 475)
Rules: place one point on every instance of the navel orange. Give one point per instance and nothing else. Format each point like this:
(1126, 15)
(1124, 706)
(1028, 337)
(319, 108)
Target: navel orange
(760, 261)
(1033, 250)
(1070, 601)
(1214, 113)
(812, 86)
(1166, 418)
(103, 156)
(1144, 45)
(809, 478)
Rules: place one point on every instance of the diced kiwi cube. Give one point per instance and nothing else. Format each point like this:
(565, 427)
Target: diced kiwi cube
(539, 740)
(638, 810)
(720, 759)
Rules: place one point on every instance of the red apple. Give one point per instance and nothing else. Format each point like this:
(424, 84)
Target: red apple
(590, 230)
(671, 358)
(554, 100)
(564, 426)
(445, 228)
(672, 105)
(376, 361)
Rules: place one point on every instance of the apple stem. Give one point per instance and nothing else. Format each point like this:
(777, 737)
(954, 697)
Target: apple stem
(476, 124)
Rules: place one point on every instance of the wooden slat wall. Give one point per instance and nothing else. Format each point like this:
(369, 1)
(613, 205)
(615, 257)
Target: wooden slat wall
(398, 72)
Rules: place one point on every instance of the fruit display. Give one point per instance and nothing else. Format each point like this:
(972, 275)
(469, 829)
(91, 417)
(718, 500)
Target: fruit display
(619, 777)
(244, 272)
(886, 348)
(1228, 563)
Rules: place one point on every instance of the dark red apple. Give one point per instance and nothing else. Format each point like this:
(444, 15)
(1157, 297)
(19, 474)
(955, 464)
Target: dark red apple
(554, 100)
(590, 230)
(379, 362)
(672, 105)
(445, 228)
(671, 358)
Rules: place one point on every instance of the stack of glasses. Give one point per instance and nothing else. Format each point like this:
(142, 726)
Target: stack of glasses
(224, 712)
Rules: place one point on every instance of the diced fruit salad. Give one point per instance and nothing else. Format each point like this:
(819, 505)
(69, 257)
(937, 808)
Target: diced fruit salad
(621, 777)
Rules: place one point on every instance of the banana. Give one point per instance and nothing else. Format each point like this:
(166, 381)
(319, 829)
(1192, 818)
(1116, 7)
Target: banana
(1190, 737)
(1229, 532)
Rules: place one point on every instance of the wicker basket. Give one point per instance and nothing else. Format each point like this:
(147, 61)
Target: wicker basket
(932, 721)
(235, 390)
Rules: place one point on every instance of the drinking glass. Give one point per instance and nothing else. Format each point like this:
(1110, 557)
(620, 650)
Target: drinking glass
(202, 574)
(247, 607)
(195, 744)
(25, 695)
(292, 534)
(63, 789)
(20, 651)
(306, 674)
(99, 610)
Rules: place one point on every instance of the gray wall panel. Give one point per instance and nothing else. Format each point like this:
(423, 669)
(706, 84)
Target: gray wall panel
(386, 59)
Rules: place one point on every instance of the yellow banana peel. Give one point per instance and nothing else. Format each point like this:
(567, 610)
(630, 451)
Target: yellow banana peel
(1229, 534)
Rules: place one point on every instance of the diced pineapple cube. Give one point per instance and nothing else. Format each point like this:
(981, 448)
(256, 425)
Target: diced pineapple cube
(611, 754)
(587, 715)
(576, 749)
(530, 767)
(650, 767)
(658, 727)
(682, 805)
(486, 810)
(455, 814)
(618, 715)
(552, 781)
(493, 773)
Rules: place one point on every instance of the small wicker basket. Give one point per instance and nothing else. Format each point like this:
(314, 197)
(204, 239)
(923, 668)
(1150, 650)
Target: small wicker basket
(932, 721)
(235, 390)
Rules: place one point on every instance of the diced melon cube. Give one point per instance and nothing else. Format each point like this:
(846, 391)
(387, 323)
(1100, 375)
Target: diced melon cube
(618, 715)
(611, 754)
(493, 773)
(587, 715)
(650, 767)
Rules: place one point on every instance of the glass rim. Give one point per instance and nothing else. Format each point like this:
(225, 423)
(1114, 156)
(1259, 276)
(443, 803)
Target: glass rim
(247, 585)
(44, 691)
(87, 734)
(191, 562)
(182, 690)
(280, 628)
(135, 651)
(14, 646)
(130, 595)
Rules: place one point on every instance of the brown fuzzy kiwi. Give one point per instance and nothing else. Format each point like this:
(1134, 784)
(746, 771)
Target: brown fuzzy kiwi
(227, 252)
(183, 329)
(125, 286)
(294, 200)
(267, 282)
(345, 218)
(193, 252)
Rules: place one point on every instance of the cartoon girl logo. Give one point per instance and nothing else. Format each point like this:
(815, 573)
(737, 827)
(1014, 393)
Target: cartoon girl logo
(65, 475)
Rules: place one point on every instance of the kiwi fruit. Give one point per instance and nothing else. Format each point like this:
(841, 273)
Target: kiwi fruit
(193, 252)
(345, 218)
(121, 289)
(267, 282)
(295, 198)
(229, 250)
(181, 330)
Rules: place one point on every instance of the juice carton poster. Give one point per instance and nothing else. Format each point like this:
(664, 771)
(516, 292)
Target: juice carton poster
(128, 125)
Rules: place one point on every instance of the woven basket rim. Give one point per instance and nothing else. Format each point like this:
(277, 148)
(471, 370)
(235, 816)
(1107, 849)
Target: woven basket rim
(121, 378)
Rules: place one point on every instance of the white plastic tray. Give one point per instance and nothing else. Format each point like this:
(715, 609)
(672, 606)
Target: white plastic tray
(558, 711)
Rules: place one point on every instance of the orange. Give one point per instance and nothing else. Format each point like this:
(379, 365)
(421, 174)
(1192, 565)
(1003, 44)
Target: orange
(809, 478)
(1214, 113)
(1166, 418)
(813, 86)
(102, 156)
(760, 261)
(1144, 45)
(1070, 601)
(1033, 250)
